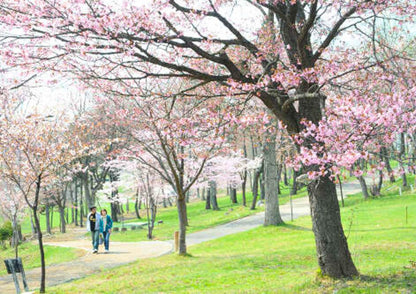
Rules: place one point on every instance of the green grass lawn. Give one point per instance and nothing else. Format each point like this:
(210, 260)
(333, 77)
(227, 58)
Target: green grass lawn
(281, 259)
(30, 255)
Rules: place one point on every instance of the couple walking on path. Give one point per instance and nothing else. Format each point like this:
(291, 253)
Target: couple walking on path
(100, 226)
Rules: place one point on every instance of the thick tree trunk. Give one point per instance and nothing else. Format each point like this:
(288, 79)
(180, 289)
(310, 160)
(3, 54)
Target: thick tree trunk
(233, 195)
(331, 244)
(183, 221)
(363, 186)
(136, 208)
(114, 211)
(272, 213)
(208, 200)
(213, 195)
(90, 202)
(386, 160)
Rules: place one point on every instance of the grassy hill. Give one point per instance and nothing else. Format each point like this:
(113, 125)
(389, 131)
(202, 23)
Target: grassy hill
(282, 259)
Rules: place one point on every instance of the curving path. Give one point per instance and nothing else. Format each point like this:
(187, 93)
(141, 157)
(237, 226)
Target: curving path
(127, 252)
(121, 253)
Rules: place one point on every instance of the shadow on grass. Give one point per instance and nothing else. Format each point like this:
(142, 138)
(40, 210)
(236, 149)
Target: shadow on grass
(296, 228)
(384, 229)
(401, 282)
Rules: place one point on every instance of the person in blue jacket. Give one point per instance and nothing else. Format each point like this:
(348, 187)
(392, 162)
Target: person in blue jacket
(106, 224)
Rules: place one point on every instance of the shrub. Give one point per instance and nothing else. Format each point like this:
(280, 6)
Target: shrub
(6, 233)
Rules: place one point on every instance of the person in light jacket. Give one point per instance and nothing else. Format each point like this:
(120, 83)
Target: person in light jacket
(93, 226)
(106, 224)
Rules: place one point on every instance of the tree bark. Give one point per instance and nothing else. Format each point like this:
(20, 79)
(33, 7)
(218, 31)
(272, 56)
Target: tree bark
(385, 157)
(208, 200)
(285, 181)
(62, 226)
(233, 195)
(279, 177)
(39, 235)
(183, 220)
(272, 213)
(332, 248)
(136, 208)
(363, 186)
(76, 202)
(402, 154)
(90, 202)
(256, 186)
(32, 225)
(51, 217)
(81, 209)
(114, 211)
(213, 195)
(262, 187)
(243, 188)
(47, 218)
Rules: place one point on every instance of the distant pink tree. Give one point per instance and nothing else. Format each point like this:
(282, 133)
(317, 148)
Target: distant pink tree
(13, 207)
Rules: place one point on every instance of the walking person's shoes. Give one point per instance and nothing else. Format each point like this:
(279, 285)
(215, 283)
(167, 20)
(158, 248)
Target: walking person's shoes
(95, 251)
(106, 251)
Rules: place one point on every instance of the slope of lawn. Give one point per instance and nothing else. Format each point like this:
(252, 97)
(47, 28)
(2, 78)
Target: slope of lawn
(199, 218)
(30, 255)
(282, 259)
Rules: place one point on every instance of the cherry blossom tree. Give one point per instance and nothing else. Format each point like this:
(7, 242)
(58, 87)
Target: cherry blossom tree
(173, 138)
(295, 57)
(32, 147)
(13, 207)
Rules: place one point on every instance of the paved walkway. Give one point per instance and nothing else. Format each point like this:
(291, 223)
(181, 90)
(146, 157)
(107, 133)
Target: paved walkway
(127, 252)
(121, 253)
(300, 208)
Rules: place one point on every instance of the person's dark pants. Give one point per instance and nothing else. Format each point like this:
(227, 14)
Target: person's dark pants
(95, 238)
(106, 236)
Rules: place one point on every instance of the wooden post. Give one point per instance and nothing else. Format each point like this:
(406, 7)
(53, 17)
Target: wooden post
(400, 191)
(176, 241)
